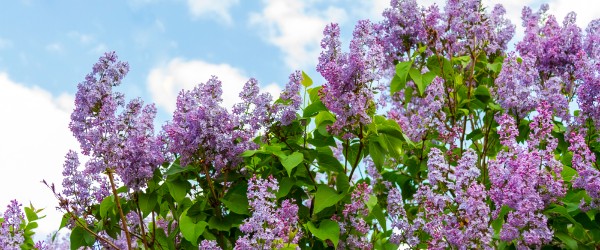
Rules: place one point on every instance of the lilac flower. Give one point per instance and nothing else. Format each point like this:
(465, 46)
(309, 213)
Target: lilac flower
(79, 191)
(202, 129)
(526, 179)
(348, 92)
(353, 226)
(123, 142)
(254, 110)
(588, 176)
(208, 245)
(290, 100)
(591, 42)
(403, 30)
(11, 233)
(420, 115)
(404, 231)
(460, 220)
(269, 226)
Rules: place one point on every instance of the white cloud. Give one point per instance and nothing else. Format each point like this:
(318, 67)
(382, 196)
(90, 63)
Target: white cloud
(54, 48)
(218, 8)
(166, 82)
(586, 10)
(81, 37)
(296, 29)
(35, 138)
(5, 43)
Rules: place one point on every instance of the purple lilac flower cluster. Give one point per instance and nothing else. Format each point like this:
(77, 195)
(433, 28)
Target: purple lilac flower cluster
(350, 77)
(269, 226)
(468, 28)
(11, 233)
(122, 142)
(452, 205)
(404, 230)
(526, 179)
(588, 70)
(588, 176)
(420, 115)
(79, 189)
(208, 245)
(462, 28)
(353, 227)
(290, 100)
(202, 129)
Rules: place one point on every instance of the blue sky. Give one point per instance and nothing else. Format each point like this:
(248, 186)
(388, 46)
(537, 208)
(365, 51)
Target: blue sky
(47, 47)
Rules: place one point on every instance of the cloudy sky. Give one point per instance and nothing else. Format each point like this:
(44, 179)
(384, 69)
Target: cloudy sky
(47, 47)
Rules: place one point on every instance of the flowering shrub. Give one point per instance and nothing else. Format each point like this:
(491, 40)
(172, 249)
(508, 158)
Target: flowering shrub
(427, 133)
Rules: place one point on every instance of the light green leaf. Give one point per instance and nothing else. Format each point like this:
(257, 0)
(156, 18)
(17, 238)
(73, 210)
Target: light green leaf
(191, 231)
(306, 81)
(291, 161)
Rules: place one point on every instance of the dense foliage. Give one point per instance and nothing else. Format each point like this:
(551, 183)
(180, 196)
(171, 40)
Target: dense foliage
(427, 133)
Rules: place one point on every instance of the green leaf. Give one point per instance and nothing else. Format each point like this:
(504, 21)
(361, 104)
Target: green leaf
(191, 231)
(328, 230)
(396, 84)
(499, 221)
(223, 224)
(416, 76)
(178, 189)
(568, 240)
(561, 211)
(147, 202)
(371, 202)
(495, 67)
(402, 69)
(313, 109)
(440, 66)
(326, 197)
(306, 81)
(377, 153)
(392, 143)
(175, 168)
(285, 185)
(329, 163)
(107, 205)
(30, 214)
(80, 238)
(291, 161)
(482, 93)
(236, 200)
(313, 93)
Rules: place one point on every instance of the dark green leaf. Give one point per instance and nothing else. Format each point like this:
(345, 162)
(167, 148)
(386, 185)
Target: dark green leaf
(482, 93)
(236, 200)
(285, 185)
(569, 242)
(313, 109)
(106, 206)
(326, 197)
(80, 238)
(178, 189)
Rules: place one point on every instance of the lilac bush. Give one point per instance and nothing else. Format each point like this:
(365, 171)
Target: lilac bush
(428, 131)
